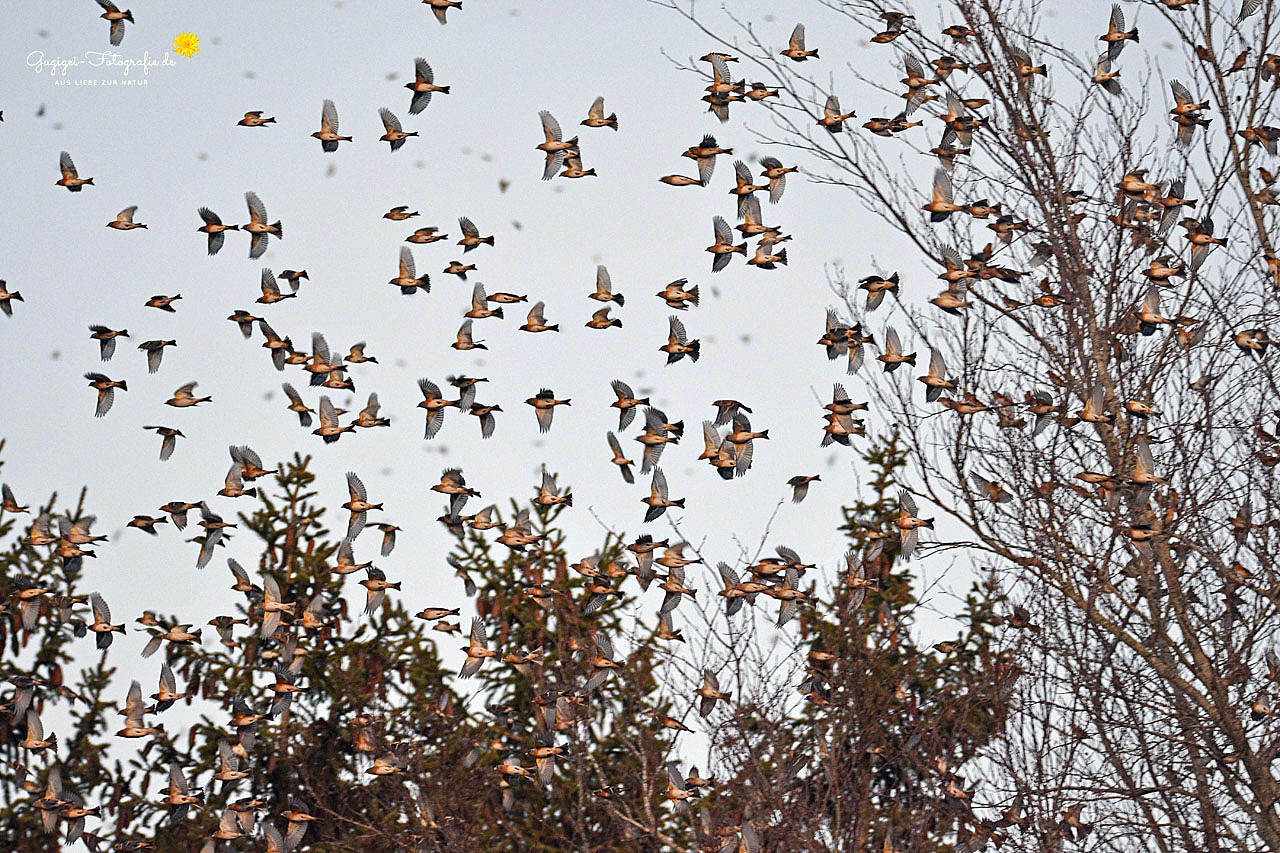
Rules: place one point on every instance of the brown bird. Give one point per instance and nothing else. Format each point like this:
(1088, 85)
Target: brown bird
(70, 177)
(423, 85)
(106, 391)
(795, 46)
(258, 227)
(328, 132)
(554, 145)
(597, 118)
(124, 220)
(254, 118)
(544, 403)
(395, 134)
(214, 228)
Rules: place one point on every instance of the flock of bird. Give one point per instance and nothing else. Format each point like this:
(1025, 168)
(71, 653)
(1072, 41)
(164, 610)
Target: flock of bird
(1149, 210)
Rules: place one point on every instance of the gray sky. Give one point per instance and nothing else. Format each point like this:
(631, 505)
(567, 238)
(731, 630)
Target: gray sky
(172, 145)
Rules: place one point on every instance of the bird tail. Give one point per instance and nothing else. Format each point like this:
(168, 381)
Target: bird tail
(620, 299)
(1133, 34)
(279, 229)
(488, 240)
(53, 742)
(679, 503)
(444, 90)
(497, 312)
(90, 182)
(128, 16)
(564, 402)
(782, 258)
(678, 427)
(616, 322)
(814, 53)
(613, 117)
(253, 493)
(124, 386)
(568, 500)
(695, 349)
(764, 434)
(911, 359)
(554, 328)
(396, 585)
(693, 296)
(741, 248)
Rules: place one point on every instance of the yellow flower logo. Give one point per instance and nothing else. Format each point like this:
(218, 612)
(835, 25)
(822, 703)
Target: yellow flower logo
(186, 44)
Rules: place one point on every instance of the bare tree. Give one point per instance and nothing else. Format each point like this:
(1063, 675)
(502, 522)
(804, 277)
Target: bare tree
(1097, 413)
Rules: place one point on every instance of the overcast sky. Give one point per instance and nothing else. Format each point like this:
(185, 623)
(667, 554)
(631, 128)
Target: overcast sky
(172, 145)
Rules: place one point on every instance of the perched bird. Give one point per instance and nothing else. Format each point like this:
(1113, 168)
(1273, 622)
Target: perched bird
(328, 132)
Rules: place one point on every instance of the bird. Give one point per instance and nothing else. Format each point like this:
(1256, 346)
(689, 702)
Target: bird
(597, 118)
(395, 134)
(544, 403)
(258, 227)
(112, 14)
(328, 132)
(678, 344)
(796, 51)
(471, 236)
(723, 248)
(440, 8)
(359, 505)
(106, 391)
(254, 118)
(800, 486)
(124, 220)
(477, 650)
(215, 230)
(169, 441)
(407, 278)
(554, 146)
(70, 177)
(423, 86)
(658, 500)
